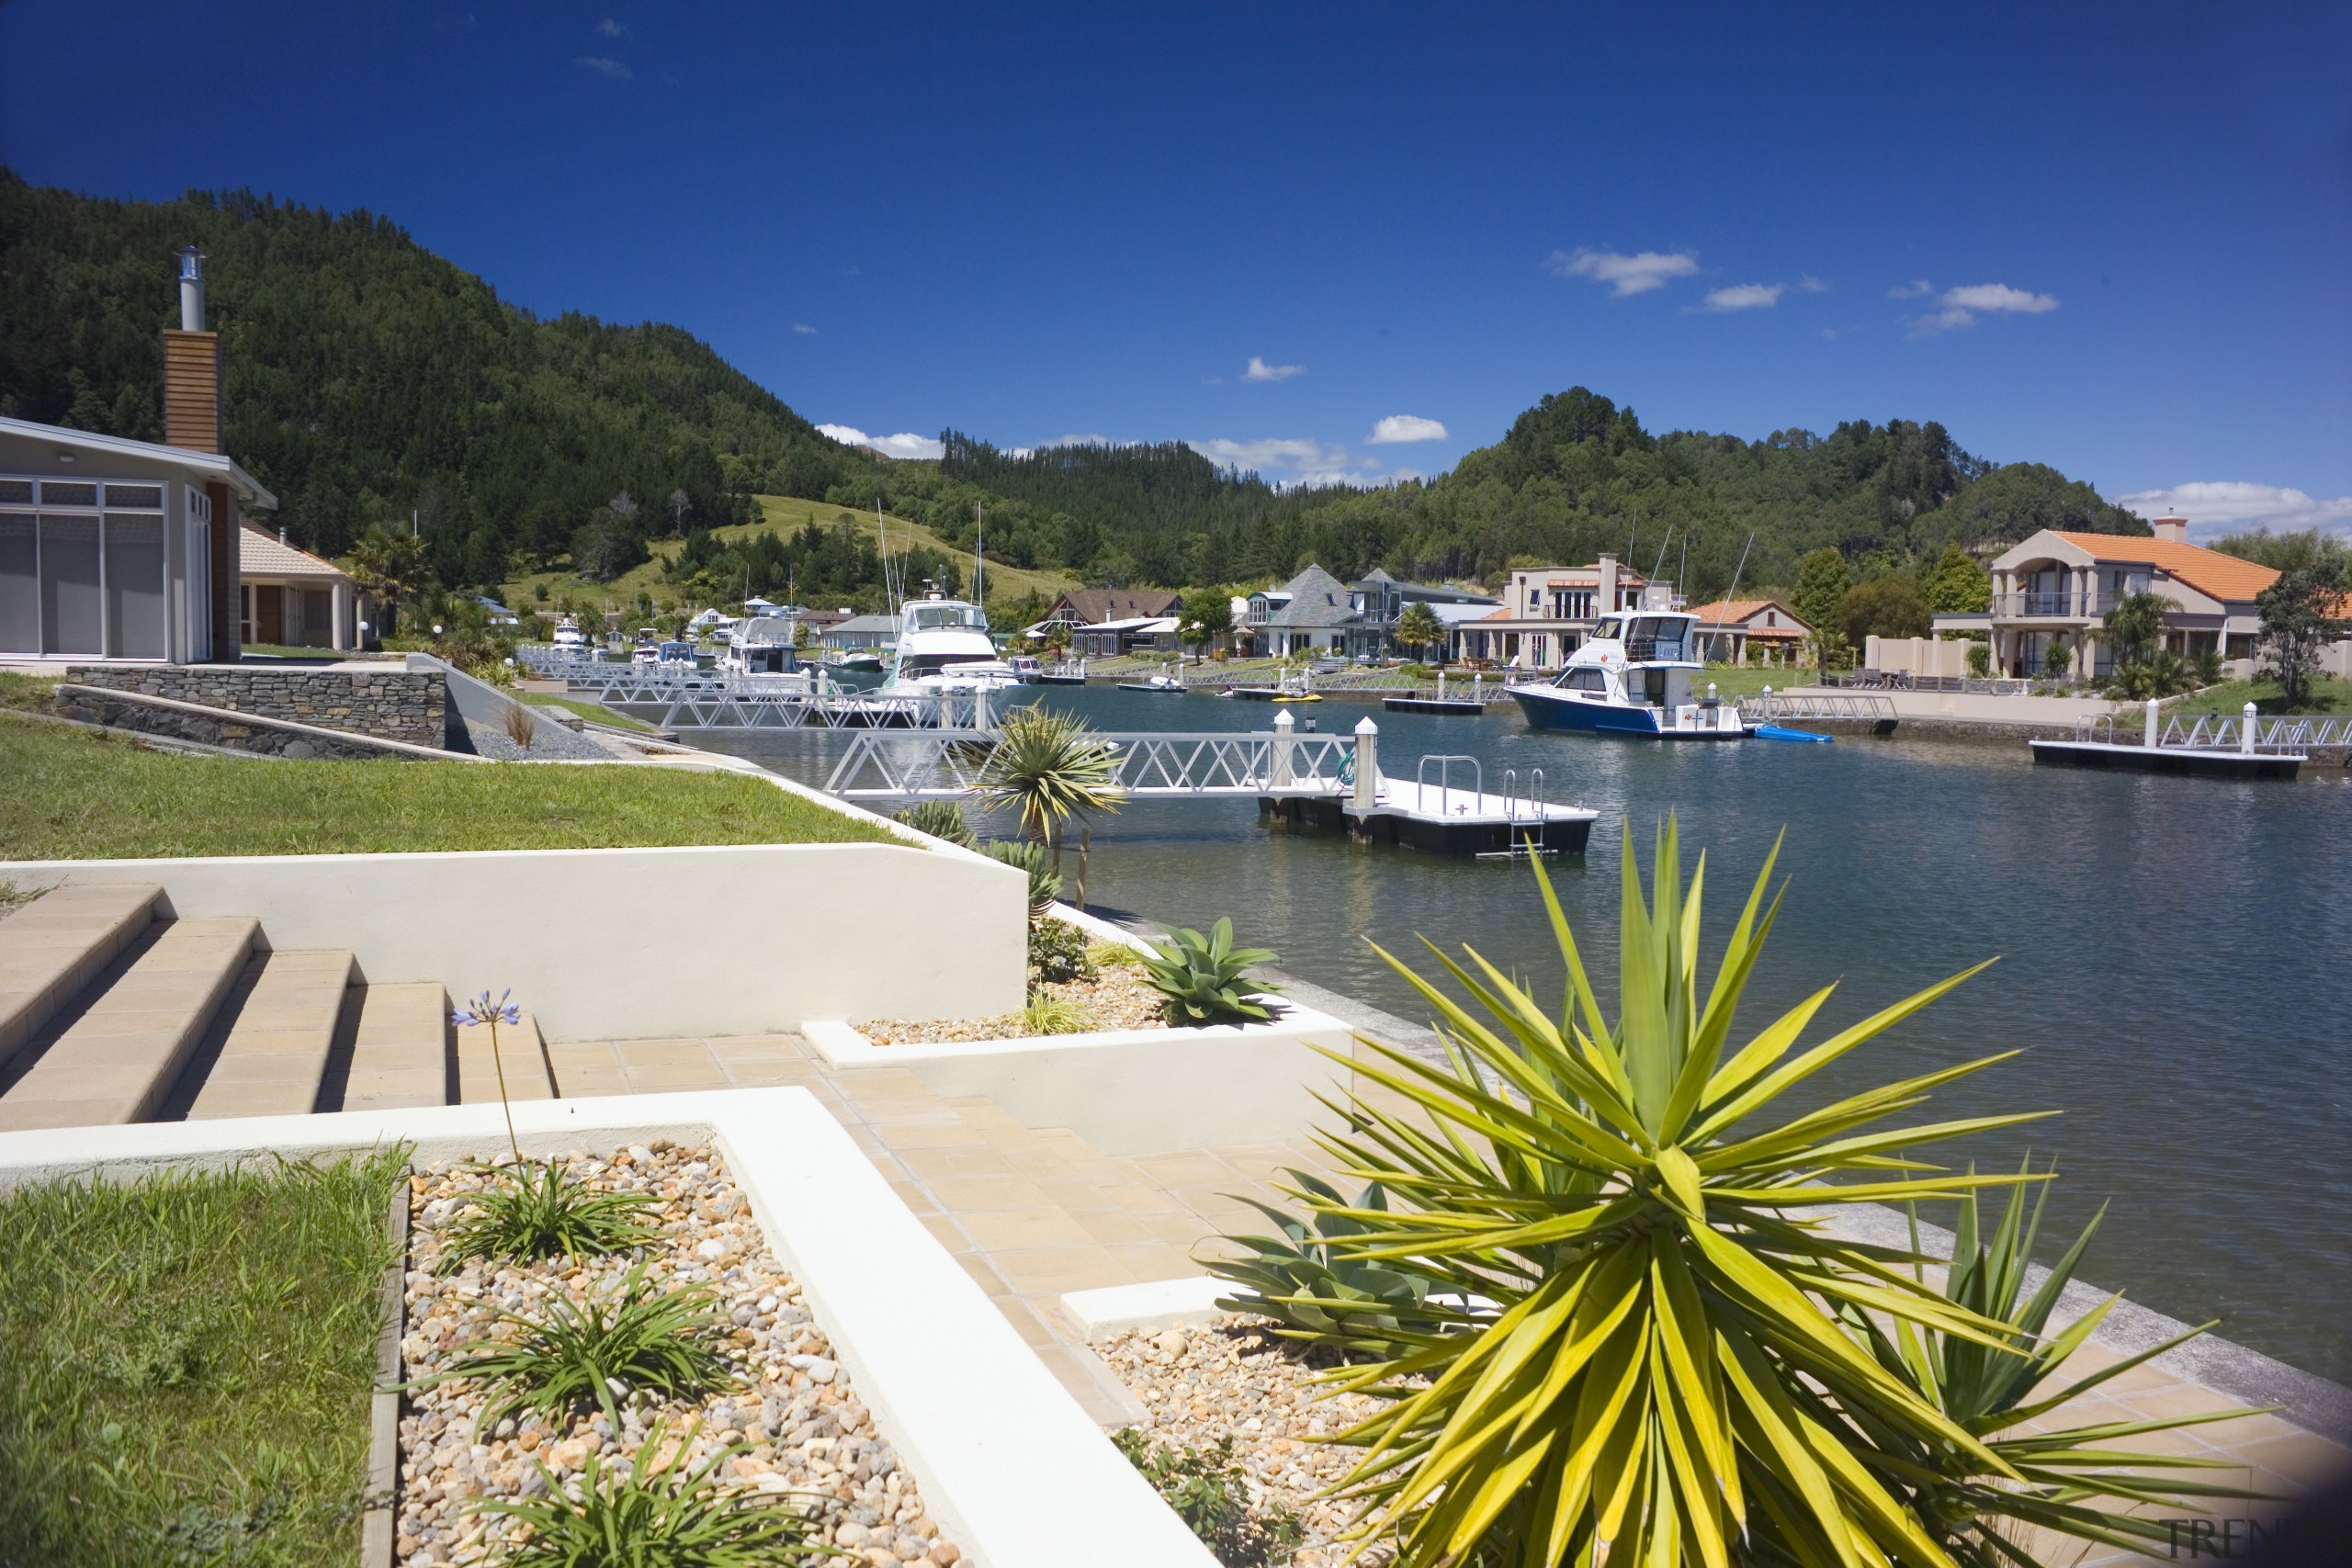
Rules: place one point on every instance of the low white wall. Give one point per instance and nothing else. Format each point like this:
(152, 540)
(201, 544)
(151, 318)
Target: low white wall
(1132, 1091)
(635, 944)
(1016, 1472)
(1916, 655)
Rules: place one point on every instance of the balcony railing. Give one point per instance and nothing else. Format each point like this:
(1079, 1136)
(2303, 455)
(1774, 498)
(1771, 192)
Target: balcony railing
(2059, 604)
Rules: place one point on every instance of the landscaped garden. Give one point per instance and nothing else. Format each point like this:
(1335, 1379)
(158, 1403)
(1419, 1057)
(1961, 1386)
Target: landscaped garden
(75, 795)
(185, 1363)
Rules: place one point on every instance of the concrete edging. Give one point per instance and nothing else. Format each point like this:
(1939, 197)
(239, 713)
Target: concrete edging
(986, 1429)
(379, 1500)
(1131, 1091)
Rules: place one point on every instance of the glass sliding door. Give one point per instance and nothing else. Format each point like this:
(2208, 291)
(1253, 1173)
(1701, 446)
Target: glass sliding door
(134, 584)
(72, 611)
(19, 583)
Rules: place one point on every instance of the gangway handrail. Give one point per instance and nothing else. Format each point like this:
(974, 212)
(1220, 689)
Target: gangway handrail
(1445, 761)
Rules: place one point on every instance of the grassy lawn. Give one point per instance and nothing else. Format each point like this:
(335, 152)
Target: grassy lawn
(185, 1364)
(2329, 695)
(72, 794)
(595, 712)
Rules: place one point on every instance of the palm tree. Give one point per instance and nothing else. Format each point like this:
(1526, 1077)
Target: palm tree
(1050, 767)
(1418, 626)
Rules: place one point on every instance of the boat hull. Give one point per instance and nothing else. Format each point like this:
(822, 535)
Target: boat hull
(1547, 708)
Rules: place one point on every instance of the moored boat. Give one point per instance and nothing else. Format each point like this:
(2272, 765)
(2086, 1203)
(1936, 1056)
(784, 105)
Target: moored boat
(1633, 677)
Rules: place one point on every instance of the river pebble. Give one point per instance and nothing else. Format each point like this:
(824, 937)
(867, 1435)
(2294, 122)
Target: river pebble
(808, 1437)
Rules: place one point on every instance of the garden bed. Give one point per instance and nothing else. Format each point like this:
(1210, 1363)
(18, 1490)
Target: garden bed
(1233, 1378)
(806, 1433)
(187, 1362)
(1118, 996)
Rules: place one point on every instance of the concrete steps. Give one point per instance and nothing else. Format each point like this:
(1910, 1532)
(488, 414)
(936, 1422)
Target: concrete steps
(521, 1053)
(55, 946)
(116, 1058)
(400, 1053)
(274, 1037)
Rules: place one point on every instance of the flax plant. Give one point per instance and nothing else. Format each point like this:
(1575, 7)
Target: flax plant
(1645, 1353)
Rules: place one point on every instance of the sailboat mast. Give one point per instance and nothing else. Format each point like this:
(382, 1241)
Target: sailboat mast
(980, 545)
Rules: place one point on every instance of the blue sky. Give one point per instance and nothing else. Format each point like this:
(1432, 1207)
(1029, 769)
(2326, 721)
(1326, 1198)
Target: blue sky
(1343, 239)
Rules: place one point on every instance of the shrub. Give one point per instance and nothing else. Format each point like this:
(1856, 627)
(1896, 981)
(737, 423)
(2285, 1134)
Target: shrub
(1306, 1281)
(594, 1351)
(1044, 882)
(1206, 979)
(941, 820)
(533, 1211)
(1662, 1369)
(1058, 951)
(1980, 660)
(1113, 956)
(659, 1513)
(1047, 1013)
(1211, 1494)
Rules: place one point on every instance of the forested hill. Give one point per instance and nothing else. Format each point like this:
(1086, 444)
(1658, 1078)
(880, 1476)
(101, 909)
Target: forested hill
(1575, 475)
(369, 378)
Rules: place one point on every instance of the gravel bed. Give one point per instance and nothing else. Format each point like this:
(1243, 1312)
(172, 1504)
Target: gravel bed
(1233, 1378)
(551, 743)
(809, 1434)
(1117, 998)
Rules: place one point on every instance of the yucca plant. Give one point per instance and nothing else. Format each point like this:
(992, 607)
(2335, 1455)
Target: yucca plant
(1050, 767)
(534, 1210)
(658, 1513)
(1304, 1279)
(594, 1353)
(1662, 1367)
(2061, 1476)
(1206, 979)
(941, 820)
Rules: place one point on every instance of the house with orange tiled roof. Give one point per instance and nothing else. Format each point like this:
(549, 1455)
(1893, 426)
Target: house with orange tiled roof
(2056, 588)
(290, 597)
(1730, 629)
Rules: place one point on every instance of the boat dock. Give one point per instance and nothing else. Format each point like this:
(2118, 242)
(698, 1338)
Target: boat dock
(2209, 746)
(1326, 782)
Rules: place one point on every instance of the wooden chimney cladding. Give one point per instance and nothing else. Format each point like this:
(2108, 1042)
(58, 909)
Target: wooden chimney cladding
(192, 412)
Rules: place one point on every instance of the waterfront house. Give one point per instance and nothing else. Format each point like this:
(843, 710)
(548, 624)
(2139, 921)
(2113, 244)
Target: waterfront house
(1547, 612)
(1731, 630)
(114, 548)
(1381, 600)
(293, 599)
(1130, 634)
(1099, 606)
(2056, 588)
(866, 632)
(1313, 613)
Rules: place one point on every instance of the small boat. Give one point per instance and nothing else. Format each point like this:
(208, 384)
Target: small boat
(944, 647)
(1155, 683)
(1027, 668)
(569, 640)
(1633, 678)
(857, 662)
(1780, 732)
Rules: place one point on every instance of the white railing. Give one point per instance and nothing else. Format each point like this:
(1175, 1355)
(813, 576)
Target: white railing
(950, 762)
(1864, 705)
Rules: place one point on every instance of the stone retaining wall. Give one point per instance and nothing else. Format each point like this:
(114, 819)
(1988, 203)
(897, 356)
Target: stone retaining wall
(144, 715)
(384, 701)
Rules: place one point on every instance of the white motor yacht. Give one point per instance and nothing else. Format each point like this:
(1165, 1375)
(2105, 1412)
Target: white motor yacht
(1632, 677)
(943, 646)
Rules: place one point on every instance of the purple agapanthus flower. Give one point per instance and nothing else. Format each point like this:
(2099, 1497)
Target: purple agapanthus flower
(481, 1009)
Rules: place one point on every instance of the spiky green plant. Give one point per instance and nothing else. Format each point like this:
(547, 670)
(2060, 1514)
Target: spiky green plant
(1044, 882)
(941, 820)
(1045, 1013)
(1304, 1279)
(659, 1513)
(534, 1210)
(2061, 1475)
(1050, 767)
(637, 1337)
(1206, 979)
(1209, 1490)
(1662, 1366)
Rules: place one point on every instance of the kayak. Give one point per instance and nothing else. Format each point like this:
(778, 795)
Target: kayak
(1775, 732)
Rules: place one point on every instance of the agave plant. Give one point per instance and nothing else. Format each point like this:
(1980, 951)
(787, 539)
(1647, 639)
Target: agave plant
(1050, 767)
(1206, 979)
(1304, 1280)
(2061, 1475)
(1044, 882)
(941, 820)
(1662, 1369)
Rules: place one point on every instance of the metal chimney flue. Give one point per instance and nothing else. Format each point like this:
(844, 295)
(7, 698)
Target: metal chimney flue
(191, 289)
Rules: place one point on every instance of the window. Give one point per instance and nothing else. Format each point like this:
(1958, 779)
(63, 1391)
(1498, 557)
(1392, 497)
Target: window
(1586, 678)
(134, 582)
(19, 578)
(77, 581)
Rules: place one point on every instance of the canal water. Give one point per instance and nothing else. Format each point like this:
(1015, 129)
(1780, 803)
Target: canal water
(2175, 954)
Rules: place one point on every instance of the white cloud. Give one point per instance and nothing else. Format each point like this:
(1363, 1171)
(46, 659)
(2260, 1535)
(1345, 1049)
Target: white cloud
(903, 444)
(1271, 453)
(604, 67)
(1745, 296)
(804, 329)
(1811, 284)
(1917, 289)
(611, 28)
(1962, 306)
(1999, 297)
(1081, 441)
(1259, 370)
(1401, 427)
(1636, 273)
(2226, 505)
